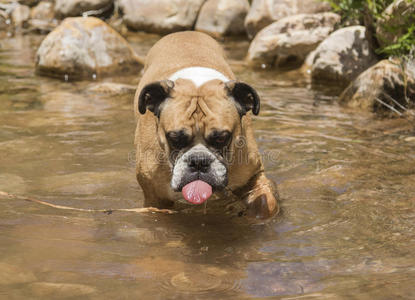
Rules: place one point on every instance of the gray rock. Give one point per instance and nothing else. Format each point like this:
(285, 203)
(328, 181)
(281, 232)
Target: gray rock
(343, 55)
(73, 8)
(265, 12)
(160, 16)
(84, 47)
(291, 38)
(394, 22)
(20, 15)
(42, 11)
(388, 86)
(222, 17)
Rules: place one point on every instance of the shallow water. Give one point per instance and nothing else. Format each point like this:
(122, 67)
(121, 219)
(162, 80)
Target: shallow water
(346, 181)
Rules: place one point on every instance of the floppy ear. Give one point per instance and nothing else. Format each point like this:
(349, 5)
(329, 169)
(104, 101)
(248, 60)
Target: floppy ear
(245, 96)
(153, 95)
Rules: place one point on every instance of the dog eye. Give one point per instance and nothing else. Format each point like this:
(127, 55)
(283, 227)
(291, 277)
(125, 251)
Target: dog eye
(219, 139)
(178, 139)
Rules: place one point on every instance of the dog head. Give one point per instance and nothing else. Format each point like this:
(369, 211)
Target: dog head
(198, 126)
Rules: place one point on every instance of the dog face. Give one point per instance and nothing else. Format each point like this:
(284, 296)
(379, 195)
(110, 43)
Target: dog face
(198, 126)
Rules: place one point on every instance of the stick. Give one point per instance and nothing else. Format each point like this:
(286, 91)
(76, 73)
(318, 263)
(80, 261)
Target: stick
(108, 211)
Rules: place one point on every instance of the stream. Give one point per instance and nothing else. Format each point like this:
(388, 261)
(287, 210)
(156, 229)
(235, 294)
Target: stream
(346, 181)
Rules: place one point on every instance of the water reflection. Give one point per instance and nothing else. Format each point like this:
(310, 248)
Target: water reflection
(346, 180)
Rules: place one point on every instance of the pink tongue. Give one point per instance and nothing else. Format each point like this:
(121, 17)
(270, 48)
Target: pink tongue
(197, 192)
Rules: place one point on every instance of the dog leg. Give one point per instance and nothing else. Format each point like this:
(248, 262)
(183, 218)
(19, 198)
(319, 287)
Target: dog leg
(262, 198)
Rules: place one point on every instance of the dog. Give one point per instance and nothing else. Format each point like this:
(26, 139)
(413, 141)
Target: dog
(194, 134)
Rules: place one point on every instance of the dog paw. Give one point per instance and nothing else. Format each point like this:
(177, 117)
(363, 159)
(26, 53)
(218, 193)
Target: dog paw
(262, 207)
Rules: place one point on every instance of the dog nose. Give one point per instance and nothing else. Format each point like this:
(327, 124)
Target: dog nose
(199, 163)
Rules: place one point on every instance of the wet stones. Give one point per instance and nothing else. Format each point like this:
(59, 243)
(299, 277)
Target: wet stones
(222, 17)
(342, 56)
(290, 39)
(265, 12)
(388, 86)
(160, 16)
(73, 8)
(85, 48)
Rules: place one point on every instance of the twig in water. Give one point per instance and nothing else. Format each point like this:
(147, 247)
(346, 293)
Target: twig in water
(109, 211)
(389, 106)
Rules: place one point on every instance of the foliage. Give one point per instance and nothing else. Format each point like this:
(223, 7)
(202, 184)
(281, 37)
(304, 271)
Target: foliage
(369, 13)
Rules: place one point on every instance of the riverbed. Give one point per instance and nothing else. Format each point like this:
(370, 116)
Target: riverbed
(346, 181)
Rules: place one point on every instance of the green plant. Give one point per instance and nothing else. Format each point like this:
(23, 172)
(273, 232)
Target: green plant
(369, 13)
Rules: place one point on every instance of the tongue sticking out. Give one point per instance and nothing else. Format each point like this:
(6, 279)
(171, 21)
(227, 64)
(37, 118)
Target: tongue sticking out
(197, 191)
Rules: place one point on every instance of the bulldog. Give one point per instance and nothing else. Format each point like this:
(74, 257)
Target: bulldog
(194, 135)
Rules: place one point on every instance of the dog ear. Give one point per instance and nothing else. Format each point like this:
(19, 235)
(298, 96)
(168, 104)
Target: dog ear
(246, 98)
(153, 95)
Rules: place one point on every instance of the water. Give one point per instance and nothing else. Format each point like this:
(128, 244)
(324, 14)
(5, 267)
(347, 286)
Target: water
(346, 179)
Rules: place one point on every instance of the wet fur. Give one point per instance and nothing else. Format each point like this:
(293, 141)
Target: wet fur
(201, 108)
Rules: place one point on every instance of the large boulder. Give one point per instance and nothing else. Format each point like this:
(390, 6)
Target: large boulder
(265, 12)
(291, 39)
(160, 16)
(223, 17)
(342, 56)
(388, 86)
(394, 22)
(85, 48)
(73, 8)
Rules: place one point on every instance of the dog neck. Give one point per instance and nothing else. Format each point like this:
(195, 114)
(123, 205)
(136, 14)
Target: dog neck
(198, 75)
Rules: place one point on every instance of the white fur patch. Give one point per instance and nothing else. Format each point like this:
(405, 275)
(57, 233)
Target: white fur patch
(199, 75)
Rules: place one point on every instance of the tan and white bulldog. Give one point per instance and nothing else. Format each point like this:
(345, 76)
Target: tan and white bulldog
(194, 132)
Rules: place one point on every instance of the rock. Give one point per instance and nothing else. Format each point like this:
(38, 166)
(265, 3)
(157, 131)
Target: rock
(81, 47)
(73, 8)
(291, 38)
(395, 21)
(20, 15)
(29, 2)
(112, 88)
(160, 16)
(42, 11)
(42, 17)
(60, 290)
(342, 56)
(222, 17)
(381, 86)
(11, 274)
(265, 12)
